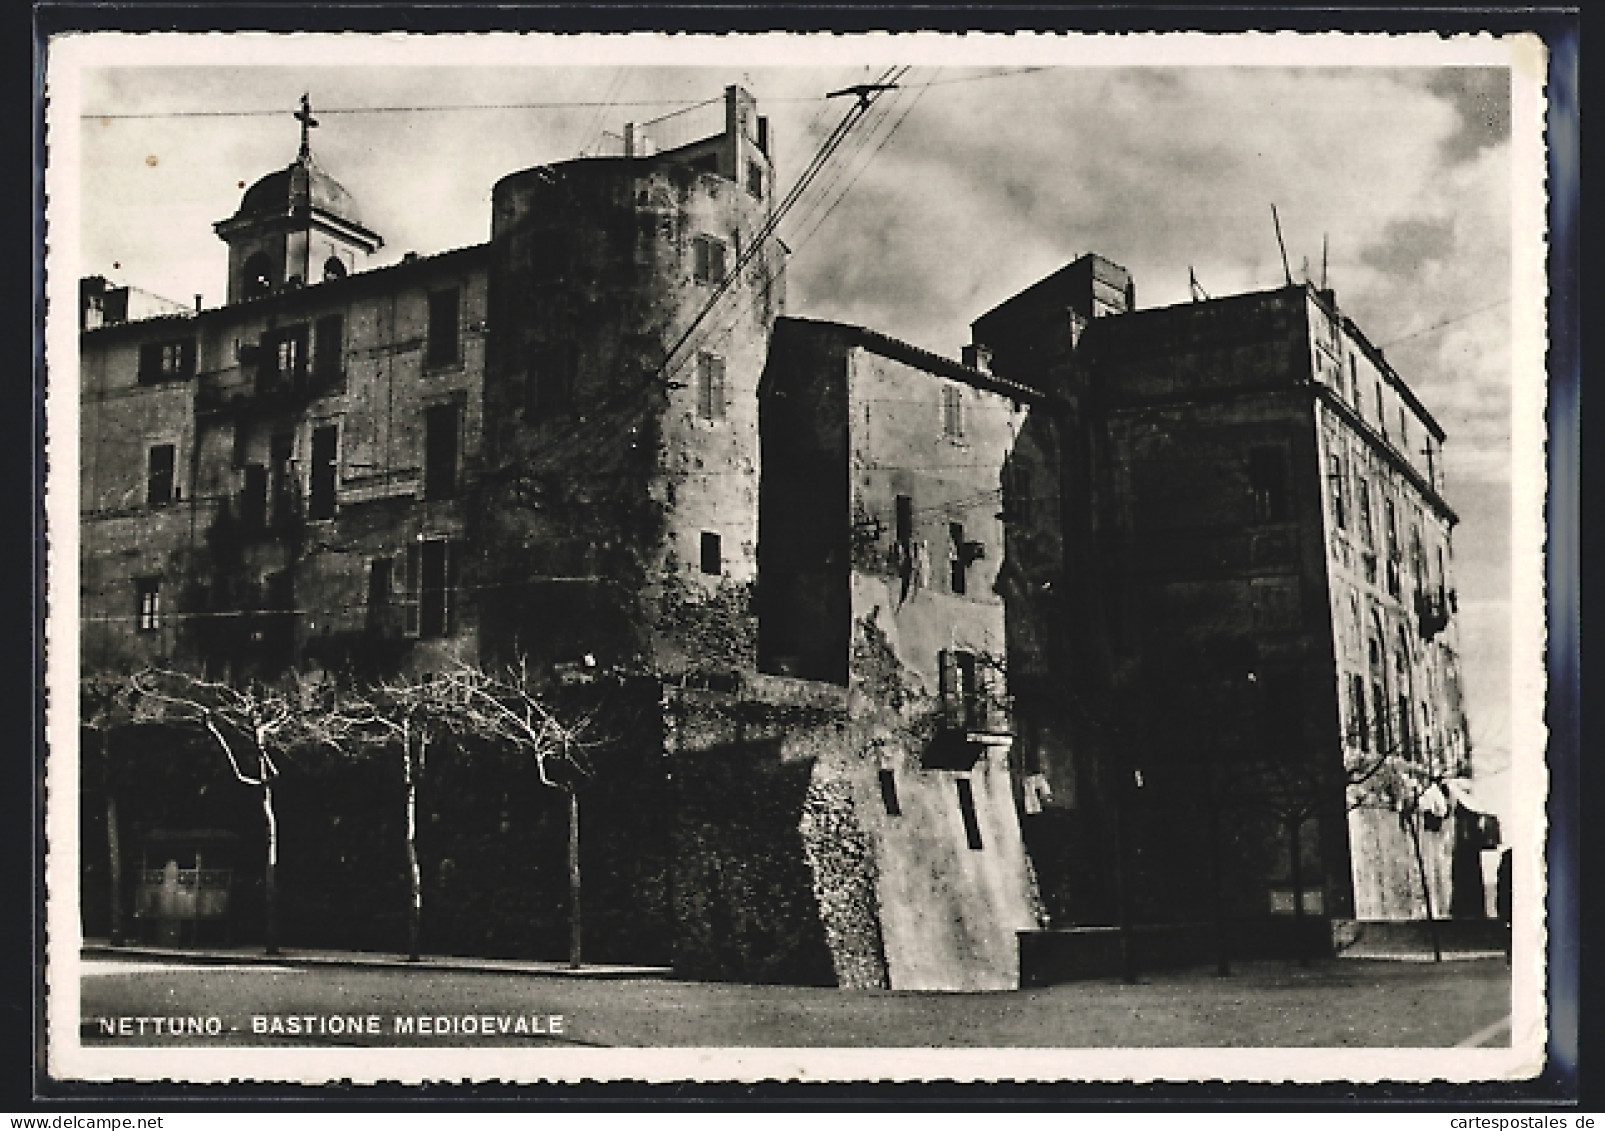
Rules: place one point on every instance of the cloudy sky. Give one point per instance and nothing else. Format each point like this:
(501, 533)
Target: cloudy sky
(964, 186)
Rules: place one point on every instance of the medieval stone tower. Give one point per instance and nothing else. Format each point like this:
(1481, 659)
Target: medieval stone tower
(631, 300)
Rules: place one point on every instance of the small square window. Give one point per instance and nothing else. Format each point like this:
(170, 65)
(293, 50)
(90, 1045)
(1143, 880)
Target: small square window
(708, 255)
(712, 554)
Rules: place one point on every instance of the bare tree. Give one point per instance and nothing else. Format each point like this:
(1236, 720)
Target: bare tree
(254, 727)
(409, 714)
(505, 707)
(106, 705)
(1397, 772)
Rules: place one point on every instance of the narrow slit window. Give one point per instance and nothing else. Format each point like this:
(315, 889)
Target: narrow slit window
(905, 518)
(712, 554)
(889, 800)
(972, 824)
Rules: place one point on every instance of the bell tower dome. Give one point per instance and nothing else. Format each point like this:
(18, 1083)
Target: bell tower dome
(294, 227)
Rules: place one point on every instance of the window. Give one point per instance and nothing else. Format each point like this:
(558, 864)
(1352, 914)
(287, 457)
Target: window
(440, 450)
(1382, 412)
(952, 413)
(333, 268)
(1267, 478)
(1338, 481)
(904, 519)
(1354, 383)
(166, 361)
(427, 600)
(708, 256)
(755, 179)
(258, 275)
(1392, 532)
(549, 384)
(1361, 732)
(159, 480)
(959, 559)
(281, 450)
(961, 690)
(254, 497)
(288, 355)
(889, 794)
(1362, 493)
(443, 325)
(1019, 506)
(712, 554)
(710, 386)
(325, 461)
(379, 571)
(148, 604)
(972, 825)
(1404, 430)
(328, 346)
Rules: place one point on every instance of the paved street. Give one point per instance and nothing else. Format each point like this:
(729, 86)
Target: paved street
(1352, 1002)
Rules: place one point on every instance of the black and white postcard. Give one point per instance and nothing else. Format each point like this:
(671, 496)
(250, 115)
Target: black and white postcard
(798, 557)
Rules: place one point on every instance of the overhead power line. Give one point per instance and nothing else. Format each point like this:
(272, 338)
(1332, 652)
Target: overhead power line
(678, 104)
(1446, 322)
(590, 104)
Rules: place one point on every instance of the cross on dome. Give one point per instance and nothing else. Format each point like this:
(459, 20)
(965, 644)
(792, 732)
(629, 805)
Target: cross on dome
(308, 123)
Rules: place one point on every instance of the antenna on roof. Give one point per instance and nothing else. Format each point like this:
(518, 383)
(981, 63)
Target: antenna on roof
(1323, 261)
(1198, 292)
(1277, 220)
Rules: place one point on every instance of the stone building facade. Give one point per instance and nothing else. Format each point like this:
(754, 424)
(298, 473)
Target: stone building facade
(1232, 638)
(546, 450)
(1119, 618)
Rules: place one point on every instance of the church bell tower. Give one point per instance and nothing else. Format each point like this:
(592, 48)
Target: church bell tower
(294, 227)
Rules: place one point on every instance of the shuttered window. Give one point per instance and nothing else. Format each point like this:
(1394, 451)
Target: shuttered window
(710, 386)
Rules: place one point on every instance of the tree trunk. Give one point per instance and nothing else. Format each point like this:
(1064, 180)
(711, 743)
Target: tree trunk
(1294, 828)
(573, 878)
(114, 849)
(415, 907)
(1223, 963)
(1128, 948)
(1426, 891)
(270, 878)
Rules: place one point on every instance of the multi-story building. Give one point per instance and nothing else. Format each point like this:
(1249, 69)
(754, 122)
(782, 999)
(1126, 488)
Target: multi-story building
(546, 451)
(1125, 615)
(1243, 609)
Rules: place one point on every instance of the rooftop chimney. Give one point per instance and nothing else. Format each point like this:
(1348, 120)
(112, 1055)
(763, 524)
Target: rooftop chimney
(977, 356)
